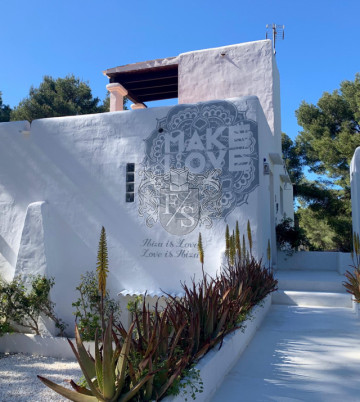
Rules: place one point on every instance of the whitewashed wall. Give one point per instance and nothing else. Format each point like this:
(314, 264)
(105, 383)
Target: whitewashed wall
(64, 179)
(230, 71)
(355, 190)
(13, 201)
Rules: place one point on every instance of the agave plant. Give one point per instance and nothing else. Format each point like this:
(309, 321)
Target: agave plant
(106, 374)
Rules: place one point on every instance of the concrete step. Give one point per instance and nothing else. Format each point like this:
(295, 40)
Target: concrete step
(313, 299)
(314, 281)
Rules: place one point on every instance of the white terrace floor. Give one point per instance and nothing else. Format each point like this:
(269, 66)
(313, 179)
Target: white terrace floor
(299, 354)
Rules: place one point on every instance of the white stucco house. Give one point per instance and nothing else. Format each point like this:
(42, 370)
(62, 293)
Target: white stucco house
(153, 177)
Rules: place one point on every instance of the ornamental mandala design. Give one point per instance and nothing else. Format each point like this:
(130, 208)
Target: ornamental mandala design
(201, 163)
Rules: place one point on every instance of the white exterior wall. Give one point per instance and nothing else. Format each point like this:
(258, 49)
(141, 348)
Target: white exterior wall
(287, 195)
(288, 200)
(13, 201)
(232, 71)
(355, 190)
(65, 179)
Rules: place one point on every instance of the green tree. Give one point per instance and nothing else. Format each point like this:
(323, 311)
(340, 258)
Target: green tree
(319, 234)
(4, 111)
(67, 96)
(106, 103)
(292, 159)
(331, 133)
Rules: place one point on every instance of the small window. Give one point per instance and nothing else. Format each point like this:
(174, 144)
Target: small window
(130, 187)
(130, 197)
(130, 177)
(130, 182)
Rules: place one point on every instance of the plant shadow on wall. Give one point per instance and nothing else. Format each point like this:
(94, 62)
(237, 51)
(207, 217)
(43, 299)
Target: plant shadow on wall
(157, 355)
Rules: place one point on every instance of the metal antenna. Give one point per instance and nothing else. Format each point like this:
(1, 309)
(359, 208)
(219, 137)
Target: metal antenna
(276, 31)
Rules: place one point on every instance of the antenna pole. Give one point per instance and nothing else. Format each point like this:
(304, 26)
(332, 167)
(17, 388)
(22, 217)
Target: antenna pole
(274, 37)
(276, 31)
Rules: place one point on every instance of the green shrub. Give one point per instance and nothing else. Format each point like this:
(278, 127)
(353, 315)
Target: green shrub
(289, 237)
(23, 306)
(88, 306)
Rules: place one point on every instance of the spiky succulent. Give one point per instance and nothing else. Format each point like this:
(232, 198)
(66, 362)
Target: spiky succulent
(105, 374)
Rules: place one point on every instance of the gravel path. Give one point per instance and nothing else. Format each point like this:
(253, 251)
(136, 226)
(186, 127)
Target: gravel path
(18, 381)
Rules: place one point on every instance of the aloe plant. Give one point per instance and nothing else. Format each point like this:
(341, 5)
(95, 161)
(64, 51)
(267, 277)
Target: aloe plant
(106, 374)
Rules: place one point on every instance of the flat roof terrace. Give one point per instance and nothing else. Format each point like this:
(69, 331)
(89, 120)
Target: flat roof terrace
(148, 80)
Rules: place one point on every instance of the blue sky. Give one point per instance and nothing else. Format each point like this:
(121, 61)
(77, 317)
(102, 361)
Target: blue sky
(321, 46)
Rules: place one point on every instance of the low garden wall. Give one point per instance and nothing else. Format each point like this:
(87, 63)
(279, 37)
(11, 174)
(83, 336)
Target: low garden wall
(314, 260)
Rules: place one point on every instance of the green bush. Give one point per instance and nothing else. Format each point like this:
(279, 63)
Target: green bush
(88, 306)
(289, 237)
(23, 306)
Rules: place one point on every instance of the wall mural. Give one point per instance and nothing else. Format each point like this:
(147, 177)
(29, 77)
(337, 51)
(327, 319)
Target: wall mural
(201, 162)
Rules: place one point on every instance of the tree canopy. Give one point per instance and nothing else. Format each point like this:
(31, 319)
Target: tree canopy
(58, 97)
(331, 132)
(4, 111)
(330, 135)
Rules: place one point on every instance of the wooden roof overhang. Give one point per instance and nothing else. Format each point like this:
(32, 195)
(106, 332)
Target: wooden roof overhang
(148, 80)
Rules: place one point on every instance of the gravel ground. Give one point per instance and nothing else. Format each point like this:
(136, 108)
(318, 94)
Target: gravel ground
(18, 381)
